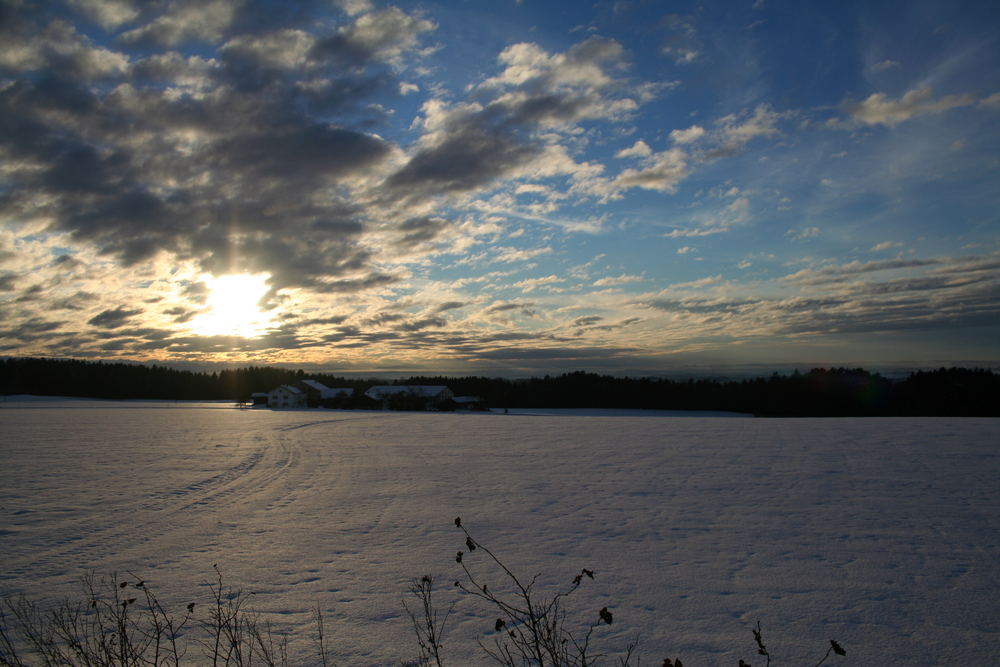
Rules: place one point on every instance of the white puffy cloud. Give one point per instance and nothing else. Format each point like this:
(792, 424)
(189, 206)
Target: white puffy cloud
(638, 149)
(690, 135)
(661, 171)
(585, 64)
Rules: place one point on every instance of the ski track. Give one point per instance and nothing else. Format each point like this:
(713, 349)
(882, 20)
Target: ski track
(267, 476)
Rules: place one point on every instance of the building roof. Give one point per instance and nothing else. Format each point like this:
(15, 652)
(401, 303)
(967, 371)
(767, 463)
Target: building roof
(425, 390)
(328, 392)
(287, 387)
(318, 386)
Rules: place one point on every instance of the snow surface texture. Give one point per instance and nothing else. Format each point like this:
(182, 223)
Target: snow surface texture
(881, 533)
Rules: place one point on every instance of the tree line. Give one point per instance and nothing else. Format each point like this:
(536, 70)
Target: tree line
(816, 393)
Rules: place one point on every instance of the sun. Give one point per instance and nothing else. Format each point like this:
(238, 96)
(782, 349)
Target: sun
(233, 308)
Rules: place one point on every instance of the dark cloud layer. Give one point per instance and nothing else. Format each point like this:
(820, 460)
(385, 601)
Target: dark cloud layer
(143, 148)
(112, 319)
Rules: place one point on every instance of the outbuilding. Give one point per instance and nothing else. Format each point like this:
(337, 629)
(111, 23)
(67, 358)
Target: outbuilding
(409, 397)
(286, 396)
(318, 394)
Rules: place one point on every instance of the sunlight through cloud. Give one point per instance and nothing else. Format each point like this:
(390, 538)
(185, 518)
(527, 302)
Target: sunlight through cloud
(233, 307)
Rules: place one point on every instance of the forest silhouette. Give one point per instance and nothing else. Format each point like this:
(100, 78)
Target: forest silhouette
(837, 392)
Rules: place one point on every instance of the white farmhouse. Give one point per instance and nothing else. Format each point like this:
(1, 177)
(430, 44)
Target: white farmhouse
(286, 396)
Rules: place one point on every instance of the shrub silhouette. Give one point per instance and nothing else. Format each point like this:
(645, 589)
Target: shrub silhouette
(120, 621)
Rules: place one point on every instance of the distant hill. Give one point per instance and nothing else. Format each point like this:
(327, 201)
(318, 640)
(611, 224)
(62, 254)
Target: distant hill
(817, 393)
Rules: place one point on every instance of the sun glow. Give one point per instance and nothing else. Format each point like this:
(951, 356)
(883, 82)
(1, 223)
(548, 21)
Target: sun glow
(233, 308)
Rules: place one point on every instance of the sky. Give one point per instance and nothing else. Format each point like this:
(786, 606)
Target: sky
(501, 188)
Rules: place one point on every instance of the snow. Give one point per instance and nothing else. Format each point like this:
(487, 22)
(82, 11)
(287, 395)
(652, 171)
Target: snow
(883, 534)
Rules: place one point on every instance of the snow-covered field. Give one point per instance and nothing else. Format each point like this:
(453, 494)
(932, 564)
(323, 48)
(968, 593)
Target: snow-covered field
(881, 533)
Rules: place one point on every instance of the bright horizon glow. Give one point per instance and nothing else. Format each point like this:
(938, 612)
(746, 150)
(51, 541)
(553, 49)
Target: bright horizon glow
(233, 307)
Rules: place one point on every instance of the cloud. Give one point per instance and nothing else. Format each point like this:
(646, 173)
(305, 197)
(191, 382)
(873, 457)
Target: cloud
(284, 49)
(525, 308)
(532, 284)
(613, 281)
(550, 353)
(991, 102)
(149, 147)
(639, 149)
(664, 171)
(682, 44)
(57, 47)
(234, 162)
(504, 131)
(687, 233)
(841, 272)
(690, 135)
(449, 305)
(585, 66)
(734, 131)
(472, 153)
(384, 35)
(884, 65)
(355, 284)
(30, 330)
(354, 7)
(107, 13)
(716, 218)
(702, 305)
(803, 233)
(886, 296)
(421, 230)
(661, 171)
(707, 281)
(509, 255)
(185, 20)
(114, 318)
(421, 324)
(879, 109)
